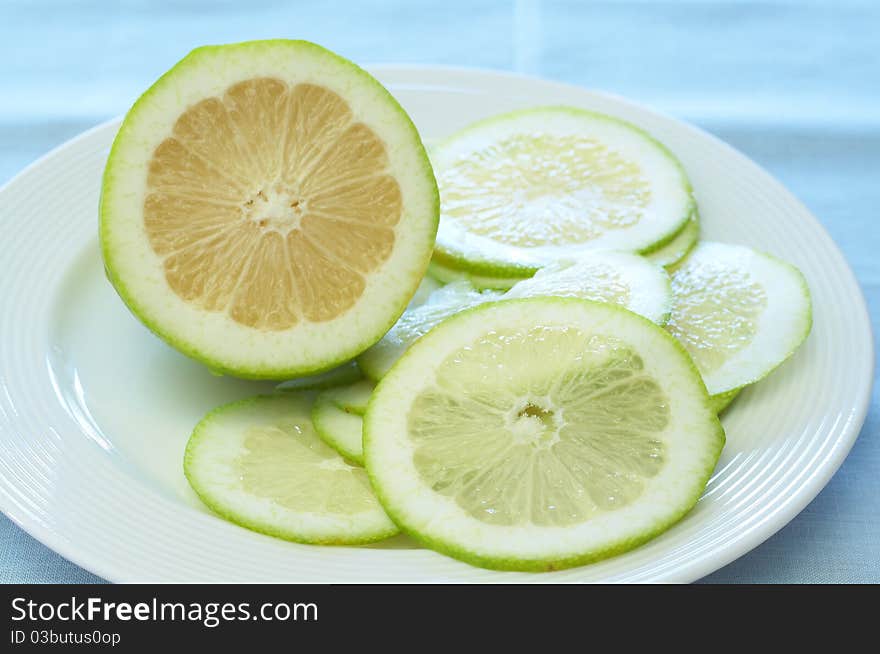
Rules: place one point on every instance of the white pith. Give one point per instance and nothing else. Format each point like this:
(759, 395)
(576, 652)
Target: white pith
(650, 294)
(781, 326)
(692, 438)
(341, 430)
(211, 471)
(213, 336)
(665, 215)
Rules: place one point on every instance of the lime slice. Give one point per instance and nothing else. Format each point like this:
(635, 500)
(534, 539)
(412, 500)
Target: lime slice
(337, 417)
(441, 304)
(259, 464)
(678, 248)
(268, 209)
(524, 189)
(618, 277)
(739, 313)
(540, 434)
(482, 282)
(347, 373)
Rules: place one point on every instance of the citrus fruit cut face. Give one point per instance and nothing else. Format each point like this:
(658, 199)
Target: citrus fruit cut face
(259, 464)
(739, 313)
(267, 208)
(414, 323)
(541, 433)
(677, 249)
(617, 277)
(527, 188)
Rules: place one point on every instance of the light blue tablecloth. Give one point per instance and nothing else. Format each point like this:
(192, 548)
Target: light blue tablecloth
(794, 85)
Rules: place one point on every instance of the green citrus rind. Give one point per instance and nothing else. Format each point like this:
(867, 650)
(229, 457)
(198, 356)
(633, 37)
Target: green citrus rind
(340, 429)
(482, 282)
(450, 254)
(115, 194)
(404, 497)
(198, 465)
(678, 248)
(791, 304)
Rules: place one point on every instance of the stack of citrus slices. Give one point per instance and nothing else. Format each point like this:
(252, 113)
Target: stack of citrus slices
(533, 385)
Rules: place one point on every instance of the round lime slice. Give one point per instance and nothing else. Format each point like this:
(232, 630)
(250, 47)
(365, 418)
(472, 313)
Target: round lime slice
(524, 189)
(738, 312)
(540, 434)
(259, 464)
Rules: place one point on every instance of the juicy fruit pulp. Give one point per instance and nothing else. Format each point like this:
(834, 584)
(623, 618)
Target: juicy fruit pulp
(544, 174)
(259, 463)
(551, 432)
(527, 188)
(267, 208)
(271, 203)
(739, 314)
(578, 443)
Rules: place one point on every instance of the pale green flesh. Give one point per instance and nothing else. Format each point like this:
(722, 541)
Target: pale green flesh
(523, 189)
(739, 313)
(528, 443)
(288, 465)
(260, 464)
(716, 312)
(341, 430)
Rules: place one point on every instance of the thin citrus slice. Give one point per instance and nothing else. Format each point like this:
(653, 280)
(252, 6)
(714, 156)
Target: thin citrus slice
(739, 313)
(523, 189)
(442, 303)
(267, 208)
(677, 249)
(482, 282)
(259, 464)
(618, 277)
(338, 418)
(540, 434)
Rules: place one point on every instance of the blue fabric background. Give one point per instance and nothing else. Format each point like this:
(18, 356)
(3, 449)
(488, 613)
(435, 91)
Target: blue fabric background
(794, 85)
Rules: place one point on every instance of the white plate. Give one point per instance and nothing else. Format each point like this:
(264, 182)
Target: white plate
(95, 411)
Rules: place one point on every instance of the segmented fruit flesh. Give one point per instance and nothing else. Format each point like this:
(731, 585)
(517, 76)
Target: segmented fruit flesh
(288, 464)
(716, 311)
(556, 426)
(529, 190)
(271, 203)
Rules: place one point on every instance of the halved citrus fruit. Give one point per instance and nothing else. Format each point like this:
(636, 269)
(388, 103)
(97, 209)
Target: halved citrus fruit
(267, 208)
